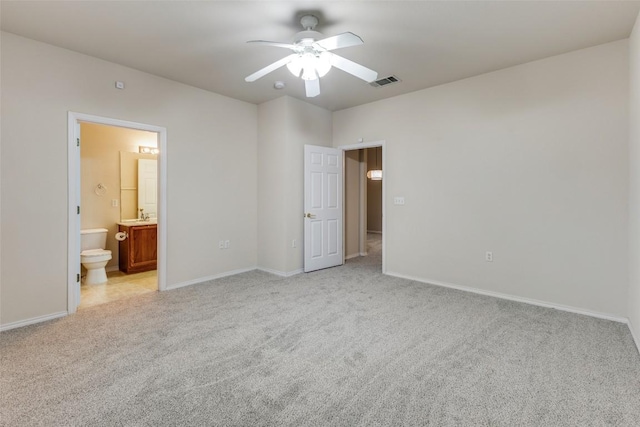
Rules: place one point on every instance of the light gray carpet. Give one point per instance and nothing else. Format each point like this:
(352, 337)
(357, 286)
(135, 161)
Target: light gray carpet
(340, 347)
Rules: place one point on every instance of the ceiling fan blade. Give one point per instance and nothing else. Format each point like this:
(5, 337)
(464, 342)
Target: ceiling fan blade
(351, 67)
(269, 68)
(276, 44)
(339, 41)
(312, 87)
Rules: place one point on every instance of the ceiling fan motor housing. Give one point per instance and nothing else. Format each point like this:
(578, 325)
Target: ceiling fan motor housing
(305, 38)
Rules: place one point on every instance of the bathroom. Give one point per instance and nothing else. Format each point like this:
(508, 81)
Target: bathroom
(112, 193)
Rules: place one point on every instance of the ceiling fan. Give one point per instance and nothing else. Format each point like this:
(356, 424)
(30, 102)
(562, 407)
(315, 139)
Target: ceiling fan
(312, 59)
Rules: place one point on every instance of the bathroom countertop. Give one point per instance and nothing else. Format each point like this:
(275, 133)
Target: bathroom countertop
(133, 223)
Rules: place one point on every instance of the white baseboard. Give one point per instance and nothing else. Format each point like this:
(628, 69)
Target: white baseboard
(516, 298)
(207, 278)
(39, 319)
(635, 336)
(280, 273)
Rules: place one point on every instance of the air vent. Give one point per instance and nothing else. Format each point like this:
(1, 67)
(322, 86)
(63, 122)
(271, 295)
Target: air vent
(385, 81)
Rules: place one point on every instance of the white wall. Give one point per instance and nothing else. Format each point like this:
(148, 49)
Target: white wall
(272, 248)
(528, 162)
(285, 126)
(634, 191)
(212, 148)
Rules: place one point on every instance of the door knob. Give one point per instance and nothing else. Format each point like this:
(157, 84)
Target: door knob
(309, 215)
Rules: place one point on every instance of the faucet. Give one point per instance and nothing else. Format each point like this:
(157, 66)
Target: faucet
(143, 216)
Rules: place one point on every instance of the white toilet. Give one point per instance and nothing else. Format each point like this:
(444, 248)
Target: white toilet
(93, 256)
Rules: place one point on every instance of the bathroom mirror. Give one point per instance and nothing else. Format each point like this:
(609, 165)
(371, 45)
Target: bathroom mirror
(138, 185)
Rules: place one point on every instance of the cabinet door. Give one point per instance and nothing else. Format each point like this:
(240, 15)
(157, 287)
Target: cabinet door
(143, 248)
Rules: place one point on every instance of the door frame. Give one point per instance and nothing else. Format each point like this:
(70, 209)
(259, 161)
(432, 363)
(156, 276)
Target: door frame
(73, 196)
(359, 146)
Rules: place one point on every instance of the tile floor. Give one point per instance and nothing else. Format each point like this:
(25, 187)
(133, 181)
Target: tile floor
(119, 286)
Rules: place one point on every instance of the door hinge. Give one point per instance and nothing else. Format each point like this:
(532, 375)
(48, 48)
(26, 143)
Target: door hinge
(77, 142)
(78, 277)
(78, 210)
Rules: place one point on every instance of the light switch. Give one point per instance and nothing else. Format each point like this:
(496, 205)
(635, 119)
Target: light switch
(398, 200)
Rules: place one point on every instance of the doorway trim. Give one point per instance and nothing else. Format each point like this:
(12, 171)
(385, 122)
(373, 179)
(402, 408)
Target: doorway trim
(73, 196)
(373, 144)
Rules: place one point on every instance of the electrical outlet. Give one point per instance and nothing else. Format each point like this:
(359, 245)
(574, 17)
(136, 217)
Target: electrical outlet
(221, 244)
(114, 203)
(489, 256)
(227, 245)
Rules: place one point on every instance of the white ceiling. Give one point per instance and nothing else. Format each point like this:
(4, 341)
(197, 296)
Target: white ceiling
(424, 43)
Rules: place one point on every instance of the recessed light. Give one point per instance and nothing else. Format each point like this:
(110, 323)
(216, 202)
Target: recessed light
(279, 85)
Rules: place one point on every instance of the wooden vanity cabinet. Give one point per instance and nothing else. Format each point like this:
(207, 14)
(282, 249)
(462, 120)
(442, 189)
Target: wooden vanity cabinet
(139, 251)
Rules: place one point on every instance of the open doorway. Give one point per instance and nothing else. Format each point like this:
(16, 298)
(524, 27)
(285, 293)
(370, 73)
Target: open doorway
(116, 250)
(364, 230)
(118, 200)
(374, 175)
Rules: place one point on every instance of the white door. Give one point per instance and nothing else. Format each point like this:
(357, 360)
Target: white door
(322, 207)
(148, 187)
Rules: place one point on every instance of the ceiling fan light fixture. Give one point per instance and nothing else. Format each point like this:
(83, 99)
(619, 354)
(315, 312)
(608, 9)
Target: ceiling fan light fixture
(295, 66)
(309, 71)
(323, 63)
(310, 66)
